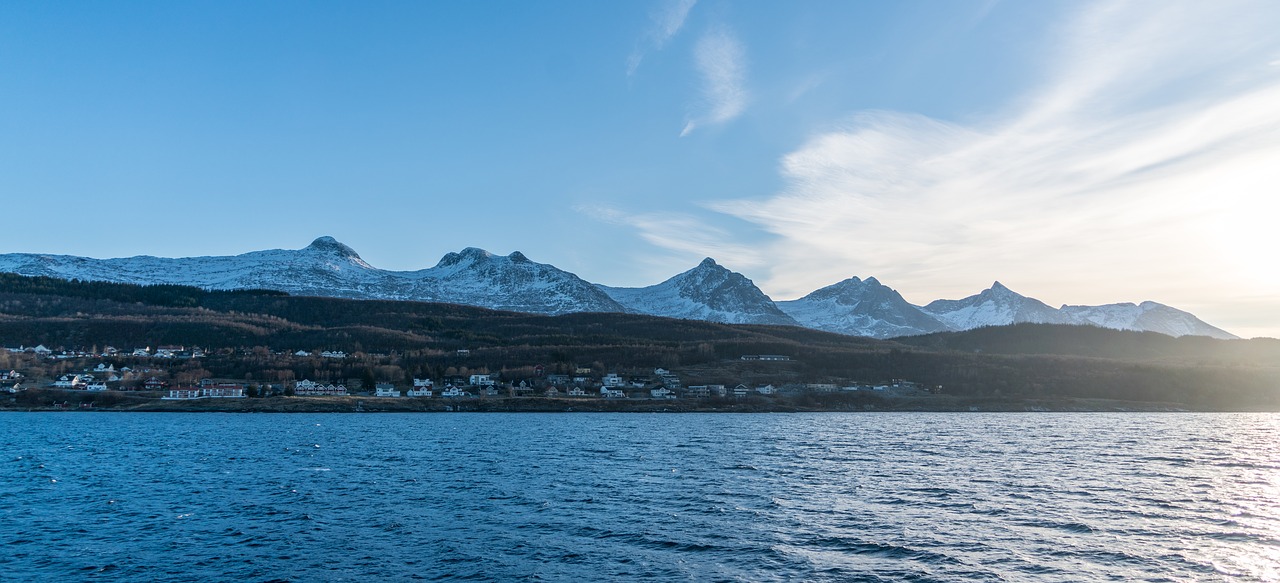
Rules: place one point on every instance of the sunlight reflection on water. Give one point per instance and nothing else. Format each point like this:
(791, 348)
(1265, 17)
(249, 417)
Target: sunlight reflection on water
(834, 497)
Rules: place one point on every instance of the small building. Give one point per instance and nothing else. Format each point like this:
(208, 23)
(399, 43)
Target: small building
(612, 381)
(766, 390)
(612, 393)
(385, 390)
(771, 357)
(422, 388)
(481, 380)
(740, 391)
(183, 393)
(575, 392)
(306, 388)
(96, 386)
(662, 393)
(453, 392)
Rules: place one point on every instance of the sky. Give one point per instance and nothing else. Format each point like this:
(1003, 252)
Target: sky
(1078, 152)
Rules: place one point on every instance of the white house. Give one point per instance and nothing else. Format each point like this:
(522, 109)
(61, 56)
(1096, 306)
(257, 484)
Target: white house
(766, 390)
(452, 391)
(69, 382)
(612, 381)
(611, 393)
(302, 353)
(386, 390)
(306, 388)
(333, 354)
(481, 380)
(662, 393)
(422, 388)
(576, 392)
(183, 393)
(96, 386)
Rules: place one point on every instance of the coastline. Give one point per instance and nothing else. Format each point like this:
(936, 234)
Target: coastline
(79, 401)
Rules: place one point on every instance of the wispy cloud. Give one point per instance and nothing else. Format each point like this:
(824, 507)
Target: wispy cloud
(667, 21)
(687, 237)
(1144, 166)
(721, 62)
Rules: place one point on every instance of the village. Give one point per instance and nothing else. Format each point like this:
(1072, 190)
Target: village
(152, 375)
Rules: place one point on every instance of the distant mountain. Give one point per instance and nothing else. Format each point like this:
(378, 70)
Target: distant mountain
(1147, 316)
(706, 292)
(476, 277)
(330, 269)
(512, 282)
(861, 308)
(995, 306)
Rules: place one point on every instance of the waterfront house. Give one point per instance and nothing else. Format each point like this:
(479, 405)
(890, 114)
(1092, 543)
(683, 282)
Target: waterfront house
(612, 381)
(386, 390)
(96, 386)
(306, 388)
(766, 390)
(183, 393)
(740, 391)
(451, 391)
(608, 393)
(481, 380)
(422, 388)
(576, 392)
(662, 393)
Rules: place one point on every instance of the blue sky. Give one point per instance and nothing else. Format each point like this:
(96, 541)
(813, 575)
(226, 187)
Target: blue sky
(1077, 152)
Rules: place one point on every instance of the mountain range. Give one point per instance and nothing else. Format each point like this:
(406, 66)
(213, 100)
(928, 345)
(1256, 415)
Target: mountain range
(709, 291)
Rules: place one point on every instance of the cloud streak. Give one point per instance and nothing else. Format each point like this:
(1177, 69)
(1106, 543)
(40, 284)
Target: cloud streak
(721, 63)
(1143, 165)
(667, 21)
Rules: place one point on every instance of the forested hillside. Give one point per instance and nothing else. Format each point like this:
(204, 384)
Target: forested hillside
(248, 333)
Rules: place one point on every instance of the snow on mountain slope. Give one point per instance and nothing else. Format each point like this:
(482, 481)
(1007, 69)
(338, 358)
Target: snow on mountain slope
(326, 267)
(329, 268)
(706, 292)
(995, 306)
(1148, 316)
(861, 308)
(478, 278)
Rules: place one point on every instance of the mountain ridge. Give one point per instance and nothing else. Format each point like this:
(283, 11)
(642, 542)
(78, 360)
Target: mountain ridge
(709, 291)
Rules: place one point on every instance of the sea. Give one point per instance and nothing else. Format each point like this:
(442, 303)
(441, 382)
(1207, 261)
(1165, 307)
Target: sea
(100, 496)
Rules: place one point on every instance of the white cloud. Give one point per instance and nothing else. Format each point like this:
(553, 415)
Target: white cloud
(1142, 167)
(1145, 166)
(667, 21)
(721, 62)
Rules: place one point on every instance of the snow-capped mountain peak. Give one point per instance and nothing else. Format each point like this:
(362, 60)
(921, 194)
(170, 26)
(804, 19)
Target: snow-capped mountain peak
(994, 306)
(1150, 316)
(706, 292)
(862, 308)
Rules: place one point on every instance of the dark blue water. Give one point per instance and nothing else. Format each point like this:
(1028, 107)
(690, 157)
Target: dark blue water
(671, 497)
